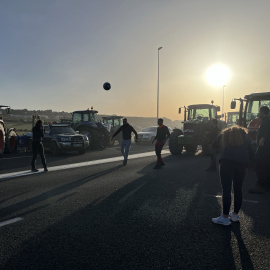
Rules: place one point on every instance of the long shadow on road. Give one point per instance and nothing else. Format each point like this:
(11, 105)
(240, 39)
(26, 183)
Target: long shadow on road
(161, 220)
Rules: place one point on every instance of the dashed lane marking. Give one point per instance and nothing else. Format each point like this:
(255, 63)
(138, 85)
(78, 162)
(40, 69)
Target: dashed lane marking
(78, 165)
(10, 221)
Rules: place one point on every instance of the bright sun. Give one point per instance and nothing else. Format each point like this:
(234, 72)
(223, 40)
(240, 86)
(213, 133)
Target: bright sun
(218, 75)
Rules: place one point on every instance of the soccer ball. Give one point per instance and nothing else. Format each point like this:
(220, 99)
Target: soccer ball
(107, 86)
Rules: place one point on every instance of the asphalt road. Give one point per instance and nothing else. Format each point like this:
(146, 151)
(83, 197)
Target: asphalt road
(109, 216)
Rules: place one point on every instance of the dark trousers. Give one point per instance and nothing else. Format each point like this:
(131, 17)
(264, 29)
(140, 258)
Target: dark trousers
(158, 148)
(262, 166)
(37, 147)
(231, 173)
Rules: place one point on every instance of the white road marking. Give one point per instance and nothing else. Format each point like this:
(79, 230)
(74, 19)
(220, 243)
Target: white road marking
(10, 221)
(18, 157)
(78, 165)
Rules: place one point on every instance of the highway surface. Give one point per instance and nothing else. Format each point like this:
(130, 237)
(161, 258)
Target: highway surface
(90, 212)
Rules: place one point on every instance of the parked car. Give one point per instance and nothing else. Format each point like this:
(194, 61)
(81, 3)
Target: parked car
(148, 134)
(62, 138)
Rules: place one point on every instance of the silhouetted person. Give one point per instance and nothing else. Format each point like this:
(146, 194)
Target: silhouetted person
(126, 129)
(262, 156)
(37, 146)
(234, 160)
(163, 134)
(212, 137)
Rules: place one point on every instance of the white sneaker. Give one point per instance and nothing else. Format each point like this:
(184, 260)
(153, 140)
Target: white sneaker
(234, 217)
(222, 220)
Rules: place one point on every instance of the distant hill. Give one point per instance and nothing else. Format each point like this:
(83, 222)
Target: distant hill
(24, 115)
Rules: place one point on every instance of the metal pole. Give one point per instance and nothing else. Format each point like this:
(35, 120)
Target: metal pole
(223, 103)
(158, 83)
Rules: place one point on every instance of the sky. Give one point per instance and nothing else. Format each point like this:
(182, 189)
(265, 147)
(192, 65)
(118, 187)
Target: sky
(56, 54)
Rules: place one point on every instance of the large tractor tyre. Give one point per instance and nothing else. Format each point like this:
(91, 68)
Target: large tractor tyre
(96, 138)
(54, 149)
(88, 131)
(191, 148)
(2, 140)
(11, 141)
(175, 149)
(107, 138)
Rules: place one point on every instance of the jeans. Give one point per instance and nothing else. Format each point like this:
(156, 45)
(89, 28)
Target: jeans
(125, 145)
(234, 173)
(37, 147)
(158, 148)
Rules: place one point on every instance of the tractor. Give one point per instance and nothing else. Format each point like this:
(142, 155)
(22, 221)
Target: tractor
(232, 118)
(8, 136)
(86, 122)
(248, 112)
(197, 119)
(112, 123)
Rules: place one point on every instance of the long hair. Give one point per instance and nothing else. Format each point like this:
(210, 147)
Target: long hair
(233, 136)
(38, 123)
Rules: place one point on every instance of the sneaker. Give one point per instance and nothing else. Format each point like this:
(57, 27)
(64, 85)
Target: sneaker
(257, 189)
(34, 170)
(45, 169)
(125, 162)
(157, 167)
(234, 217)
(222, 220)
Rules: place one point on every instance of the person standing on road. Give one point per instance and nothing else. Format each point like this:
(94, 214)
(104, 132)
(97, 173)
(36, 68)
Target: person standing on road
(262, 156)
(126, 129)
(37, 146)
(163, 134)
(212, 137)
(234, 160)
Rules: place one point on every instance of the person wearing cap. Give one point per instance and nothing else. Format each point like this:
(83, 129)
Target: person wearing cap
(163, 134)
(126, 129)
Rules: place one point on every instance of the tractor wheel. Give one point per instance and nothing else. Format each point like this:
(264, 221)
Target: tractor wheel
(106, 135)
(175, 149)
(95, 136)
(11, 141)
(2, 140)
(191, 148)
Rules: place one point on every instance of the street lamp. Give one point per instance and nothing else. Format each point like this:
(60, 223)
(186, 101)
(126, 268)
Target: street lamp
(223, 103)
(158, 83)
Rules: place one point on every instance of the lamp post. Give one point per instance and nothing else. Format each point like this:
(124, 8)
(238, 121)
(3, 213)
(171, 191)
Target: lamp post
(158, 83)
(223, 103)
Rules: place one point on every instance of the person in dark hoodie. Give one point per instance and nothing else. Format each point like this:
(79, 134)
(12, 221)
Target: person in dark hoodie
(163, 134)
(126, 129)
(262, 157)
(37, 146)
(234, 160)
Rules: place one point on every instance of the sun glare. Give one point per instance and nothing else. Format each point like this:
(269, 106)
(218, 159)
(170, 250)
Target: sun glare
(218, 75)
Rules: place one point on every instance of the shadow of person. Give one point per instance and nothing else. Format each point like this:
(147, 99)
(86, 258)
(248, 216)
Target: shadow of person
(244, 254)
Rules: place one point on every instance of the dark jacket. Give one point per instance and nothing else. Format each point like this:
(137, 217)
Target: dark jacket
(240, 154)
(163, 133)
(264, 131)
(126, 129)
(38, 134)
